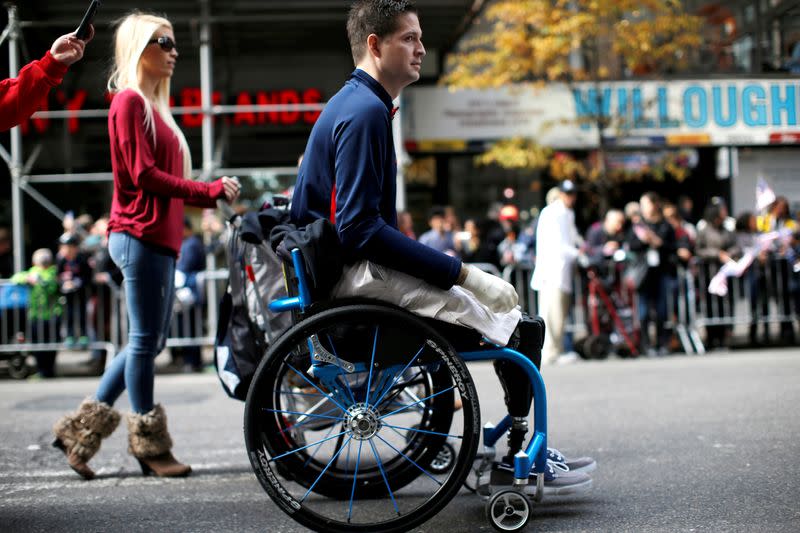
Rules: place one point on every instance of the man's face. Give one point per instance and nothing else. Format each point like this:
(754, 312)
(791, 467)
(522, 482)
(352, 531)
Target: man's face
(647, 207)
(402, 52)
(615, 223)
(436, 223)
(569, 199)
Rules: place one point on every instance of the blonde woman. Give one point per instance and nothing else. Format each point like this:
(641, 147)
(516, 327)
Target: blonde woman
(151, 165)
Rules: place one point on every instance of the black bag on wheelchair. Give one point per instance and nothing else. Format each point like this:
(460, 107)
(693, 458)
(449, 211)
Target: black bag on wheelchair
(245, 324)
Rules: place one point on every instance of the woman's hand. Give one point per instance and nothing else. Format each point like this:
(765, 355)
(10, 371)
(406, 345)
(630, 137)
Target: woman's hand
(232, 189)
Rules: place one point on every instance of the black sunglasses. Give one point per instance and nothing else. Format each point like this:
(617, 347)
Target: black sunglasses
(164, 42)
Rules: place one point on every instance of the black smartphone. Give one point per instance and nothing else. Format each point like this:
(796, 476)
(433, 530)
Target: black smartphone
(83, 30)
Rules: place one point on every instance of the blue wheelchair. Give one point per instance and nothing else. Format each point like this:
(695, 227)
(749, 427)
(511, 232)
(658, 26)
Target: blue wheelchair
(363, 418)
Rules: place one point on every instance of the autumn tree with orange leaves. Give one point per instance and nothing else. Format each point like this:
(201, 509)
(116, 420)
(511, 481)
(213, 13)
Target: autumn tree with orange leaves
(539, 41)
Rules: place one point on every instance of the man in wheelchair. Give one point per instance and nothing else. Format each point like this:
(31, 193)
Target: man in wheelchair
(348, 176)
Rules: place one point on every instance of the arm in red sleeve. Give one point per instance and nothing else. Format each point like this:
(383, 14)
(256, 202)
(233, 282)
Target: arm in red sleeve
(217, 193)
(22, 96)
(135, 145)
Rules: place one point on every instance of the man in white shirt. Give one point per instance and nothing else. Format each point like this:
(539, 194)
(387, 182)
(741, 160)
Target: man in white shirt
(557, 242)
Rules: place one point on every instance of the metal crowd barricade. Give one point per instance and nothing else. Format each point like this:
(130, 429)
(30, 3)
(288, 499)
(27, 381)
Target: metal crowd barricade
(190, 326)
(519, 275)
(765, 294)
(93, 312)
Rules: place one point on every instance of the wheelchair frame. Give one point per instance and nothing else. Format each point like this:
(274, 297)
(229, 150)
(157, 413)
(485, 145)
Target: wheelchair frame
(534, 456)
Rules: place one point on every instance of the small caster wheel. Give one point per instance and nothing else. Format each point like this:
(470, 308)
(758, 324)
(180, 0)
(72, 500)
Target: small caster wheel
(508, 510)
(443, 460)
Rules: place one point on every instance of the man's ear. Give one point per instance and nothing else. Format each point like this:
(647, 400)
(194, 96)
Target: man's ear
(372, 45)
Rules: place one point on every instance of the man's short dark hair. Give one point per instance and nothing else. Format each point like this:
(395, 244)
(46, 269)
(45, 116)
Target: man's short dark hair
(373, 16)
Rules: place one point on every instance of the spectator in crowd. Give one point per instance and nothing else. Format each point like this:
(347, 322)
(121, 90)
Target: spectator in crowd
(777, 217)
(633, 214)
(406, 224)
(684, 243)
(44, 308)
(727, 220)
(557, 240)
(716, 245)
(684, 251)
(191, 261)
(653, 240)
(438, 237)
(22, 96)
(152, 165)
(469, 245)
(714, 241)
(510, 250)
(492, 232)
(755, 277)
(452, 223)
(6, 254)
(604, 238)
(74, 275)
(686, 210)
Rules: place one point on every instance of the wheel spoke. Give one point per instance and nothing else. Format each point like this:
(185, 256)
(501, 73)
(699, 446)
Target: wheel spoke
(417, 402)
(304, 422)
(323, 473)
(400, 374)
(330, 397)
(299, 393)
(410, 460)
(383, 474)
(281, 456)
(371, 365)
(355, 478)
(303, 414)
(425, 431)
(338, 447)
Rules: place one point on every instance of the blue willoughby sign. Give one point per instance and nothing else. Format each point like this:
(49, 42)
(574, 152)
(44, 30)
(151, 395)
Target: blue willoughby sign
(650, 113)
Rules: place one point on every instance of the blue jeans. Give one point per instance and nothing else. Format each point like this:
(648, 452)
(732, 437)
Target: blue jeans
(149, 289)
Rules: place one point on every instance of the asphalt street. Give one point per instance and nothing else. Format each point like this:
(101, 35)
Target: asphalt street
(692, 444)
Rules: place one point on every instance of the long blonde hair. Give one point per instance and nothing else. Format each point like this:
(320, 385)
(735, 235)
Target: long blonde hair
(131, 38)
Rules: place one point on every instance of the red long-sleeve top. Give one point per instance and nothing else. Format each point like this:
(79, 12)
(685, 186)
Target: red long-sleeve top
(22, 96)
(149, 188)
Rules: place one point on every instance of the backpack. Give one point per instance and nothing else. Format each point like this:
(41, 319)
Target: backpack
(246, 326)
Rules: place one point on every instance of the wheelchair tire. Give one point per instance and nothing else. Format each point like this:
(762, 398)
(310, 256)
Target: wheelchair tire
(293, 417)
(18, 367)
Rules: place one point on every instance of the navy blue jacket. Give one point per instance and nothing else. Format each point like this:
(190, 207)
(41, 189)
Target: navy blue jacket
(349, 176)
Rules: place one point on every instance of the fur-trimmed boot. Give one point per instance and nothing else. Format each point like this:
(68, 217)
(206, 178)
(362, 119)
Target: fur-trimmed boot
(79, 434)
(150, 443)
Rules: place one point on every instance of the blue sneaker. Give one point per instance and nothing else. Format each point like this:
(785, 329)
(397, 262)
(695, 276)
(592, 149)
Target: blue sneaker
(581, 464)
(557, 480)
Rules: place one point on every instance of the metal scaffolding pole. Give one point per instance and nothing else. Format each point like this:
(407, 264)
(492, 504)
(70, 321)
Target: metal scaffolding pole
(15, 164)
(206, 80)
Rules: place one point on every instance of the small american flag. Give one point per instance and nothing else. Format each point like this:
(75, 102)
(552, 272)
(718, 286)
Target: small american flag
(764, 194)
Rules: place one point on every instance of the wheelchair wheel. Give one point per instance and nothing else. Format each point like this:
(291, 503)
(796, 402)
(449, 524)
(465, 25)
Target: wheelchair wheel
(508, 510)
(353, 451)
(18, 367)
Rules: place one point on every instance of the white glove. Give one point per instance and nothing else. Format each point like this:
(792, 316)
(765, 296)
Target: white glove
(495, 293)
